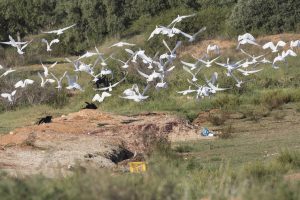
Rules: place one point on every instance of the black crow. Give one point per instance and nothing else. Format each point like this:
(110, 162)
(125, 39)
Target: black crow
(90, 106)
(44, 120)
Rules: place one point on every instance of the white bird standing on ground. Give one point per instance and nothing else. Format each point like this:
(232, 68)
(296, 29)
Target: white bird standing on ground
(45, 81)
(60, 31)
(101, 98)
(270, 45)
(121, 44)
(9, 96)
(9, 71)
(23, 84)
(55, 41)
(59, 81)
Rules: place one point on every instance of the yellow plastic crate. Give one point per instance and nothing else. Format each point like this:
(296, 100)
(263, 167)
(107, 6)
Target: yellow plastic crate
(137, 167)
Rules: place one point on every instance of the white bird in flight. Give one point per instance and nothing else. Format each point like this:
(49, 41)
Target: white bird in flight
(192, 38)
(45, 81)
(110, 87)
(60, 31)
(270, 45)
(23, 84)
(55, 41)
(213, 48)
(59, 81)
(101, 98)
(121, 44)
(73, 83)
(9, 71)
(179, 19)
(186, 92)
(194, 79)
(134, 94)
(9, 96)
(46, 68)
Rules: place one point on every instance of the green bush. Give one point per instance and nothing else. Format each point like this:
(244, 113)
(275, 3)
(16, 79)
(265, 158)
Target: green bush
(265, 16)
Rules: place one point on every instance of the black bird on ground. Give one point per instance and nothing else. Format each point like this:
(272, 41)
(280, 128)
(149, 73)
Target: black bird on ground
(44, 120)
(90, 106)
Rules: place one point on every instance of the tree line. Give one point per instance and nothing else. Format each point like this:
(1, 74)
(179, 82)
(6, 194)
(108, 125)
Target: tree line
(98, 19)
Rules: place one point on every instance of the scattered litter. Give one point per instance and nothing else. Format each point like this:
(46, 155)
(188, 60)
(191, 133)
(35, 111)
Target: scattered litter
(207, 133)
(137, 167)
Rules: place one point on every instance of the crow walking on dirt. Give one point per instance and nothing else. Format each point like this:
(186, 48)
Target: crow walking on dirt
(44, 120)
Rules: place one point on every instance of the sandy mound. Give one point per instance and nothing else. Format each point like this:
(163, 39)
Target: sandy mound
(87, 137)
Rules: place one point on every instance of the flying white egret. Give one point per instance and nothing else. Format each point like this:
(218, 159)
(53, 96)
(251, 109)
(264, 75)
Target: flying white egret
(247, 73)
(283, 56)
(59, 81)
(246, 41)
(88, 55)
(125, 64)
(101, 98)
(24, 84)
(186, 92)
(179, 19)
(208, 63)
(9, 96)
(55, 41)
(72, 83)
(254, 58)
(9, 71)
(46, 68)
(121, 44)
(110, 87)
(270, 45)
(295, 44)
(151, 77)
(135, 95)
(192, 38)
(193, 74)
(17, 45)
(246, 36)
(59, 31)
(162, 30)
(213, 48)
(172, 56)
(211, 83)
(191, 65)
(45, 81)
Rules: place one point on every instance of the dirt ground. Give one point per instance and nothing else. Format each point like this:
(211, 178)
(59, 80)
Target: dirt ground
(88, 137)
